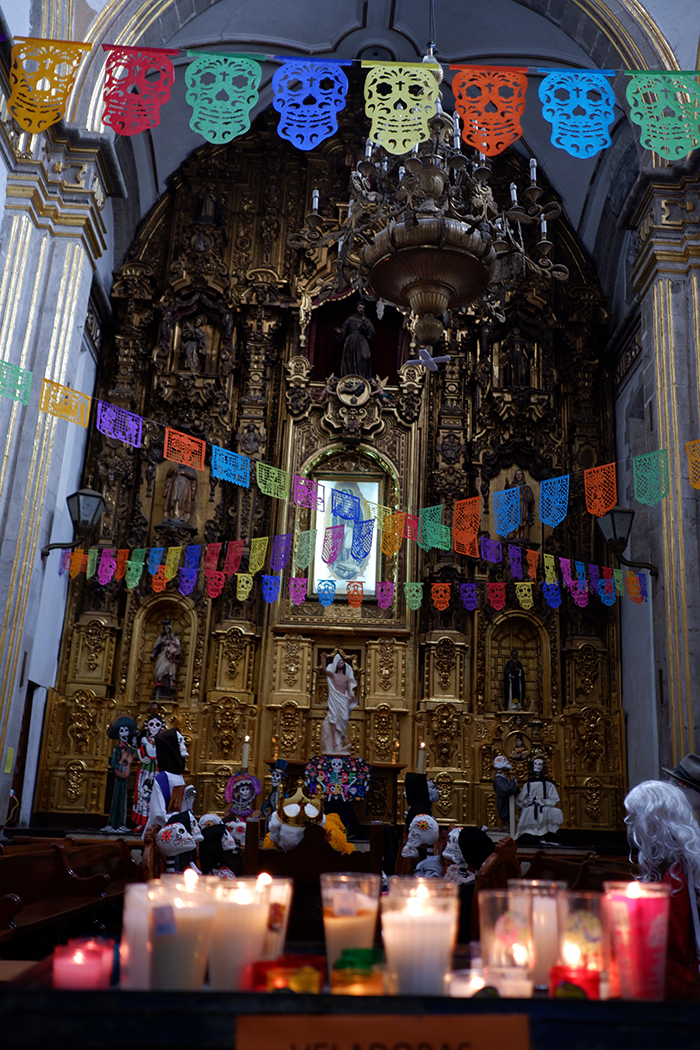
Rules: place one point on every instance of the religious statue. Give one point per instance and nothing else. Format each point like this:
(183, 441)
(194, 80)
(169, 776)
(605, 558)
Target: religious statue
(539, 817)
(148, 767)
(207, 209)
(527, 506)
(355, 334)
(179, 492)
(166, 653)
(341, 701)
(514, 683)
(194, 342)
(518, 367)
(123, 731)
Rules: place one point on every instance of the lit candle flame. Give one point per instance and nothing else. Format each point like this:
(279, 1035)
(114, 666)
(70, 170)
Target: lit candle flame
(634, 890)
(190, 879)
(241, 896)
(571, 953)
(520, 954)
(263, 880)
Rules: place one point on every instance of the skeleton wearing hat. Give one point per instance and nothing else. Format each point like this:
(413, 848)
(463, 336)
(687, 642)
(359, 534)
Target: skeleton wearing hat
(687, 776)
(503, 786)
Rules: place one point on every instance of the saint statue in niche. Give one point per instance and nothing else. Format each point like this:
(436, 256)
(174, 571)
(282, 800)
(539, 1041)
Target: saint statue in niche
(341, 701)
(165, 654)
(179, 493)
(514, 683)
(517, 370)
(527, 506)
(194, 342)
(355, 334)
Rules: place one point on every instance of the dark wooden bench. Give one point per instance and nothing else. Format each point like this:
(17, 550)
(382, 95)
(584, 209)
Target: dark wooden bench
(111, 858)
(37, 889)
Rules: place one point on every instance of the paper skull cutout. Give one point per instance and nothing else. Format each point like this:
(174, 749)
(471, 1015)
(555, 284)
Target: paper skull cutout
(132, 95)
(491, 103)
(326, 592)
(271, 588)
(298, 587)
(400, 100)
(667, 109)
(580, 107)
(307, 95)
(41, 78)
(222, 90)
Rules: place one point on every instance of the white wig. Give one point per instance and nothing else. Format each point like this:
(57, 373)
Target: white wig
(333, 666)
(662, 825)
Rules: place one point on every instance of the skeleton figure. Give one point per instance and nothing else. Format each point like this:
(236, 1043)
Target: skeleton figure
(538, 800)
(178, 845)
(424, 831)
(277, 769)
(307, 96)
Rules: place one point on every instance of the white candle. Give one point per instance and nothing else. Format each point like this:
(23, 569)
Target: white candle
(77, 968)
(180, 936)
(513, 193)
(418, 945)
(351, 930)
(543, 227)
(545, 937)
(533, 170)
(402, 172)
(239, 935)
(369, 146)
(245, 751)
(133, 949)
(315, 196)
(455, 130)
(421, 757)
(482, 158)
(280, 891)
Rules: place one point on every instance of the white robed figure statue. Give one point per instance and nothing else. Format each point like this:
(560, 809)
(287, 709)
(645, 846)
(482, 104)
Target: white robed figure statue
(341, 701)
(538, 802)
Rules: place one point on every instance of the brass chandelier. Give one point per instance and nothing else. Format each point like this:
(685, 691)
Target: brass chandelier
(424, 232)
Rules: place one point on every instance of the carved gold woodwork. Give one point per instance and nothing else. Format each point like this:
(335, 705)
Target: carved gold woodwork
(234, 661)
(386, 677)
(93, 650)
(447, 666)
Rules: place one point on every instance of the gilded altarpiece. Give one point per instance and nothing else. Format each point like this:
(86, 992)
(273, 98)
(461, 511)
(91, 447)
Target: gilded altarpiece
(219, 333)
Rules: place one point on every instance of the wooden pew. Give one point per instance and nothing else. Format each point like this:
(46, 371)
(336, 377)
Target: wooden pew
(37, 890)
(111, 858)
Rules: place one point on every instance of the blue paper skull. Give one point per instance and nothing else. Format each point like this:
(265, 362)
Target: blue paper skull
(580, 107)
(307, 95)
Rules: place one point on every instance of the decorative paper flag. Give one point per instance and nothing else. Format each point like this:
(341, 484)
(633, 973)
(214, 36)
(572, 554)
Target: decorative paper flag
(580, 106)
(272, 481)
(378, 511)
(234, 553)
(41, 79)
(642, 576)
(565, 566)
(134, 568)
(356, 590)
(108, 563)
(633, 588)
(187, 579)
(666, 107)
(550, 572)
(651, 480)
(181, 448)
(692, 449)
(159, 582)
(601, 489)
(523, 592)
(172, 562)
(579, 593)
(410, 528)
(515, 557)
(413, 593)
(362, 536)
(133, 95)
(491, 550)
(64, 560)
(345, 505)
(64, 402)
(258, 550)
(465, 526)
(15, 383)
(308, 493)
(154, 559)
(392, 533)
(326, 592)
(76, 563)
(229, 466)
(385, 594)
(428, 516)
(119, 424)
(506, 510)
(332, 543)
(607, 592)
(222, 90)
(271, 588)
(244, 585)
(496, 594)
(281, 551)
(617, 576)
(469, 595)
(211, 557)
(490, 103)
(298, 589)
(593, 575)
(306, 545)
(533, 561)
(554, 500)
(552, 595)
(91, 562)
(215, 582)
(441, 593)
(581, 572)
(399, 101)
(193, 553)
(607, 573)
(308, 94)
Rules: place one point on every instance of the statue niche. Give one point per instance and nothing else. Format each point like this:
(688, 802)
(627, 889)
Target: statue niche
(338, 331)
(196, 345)
(514, 649)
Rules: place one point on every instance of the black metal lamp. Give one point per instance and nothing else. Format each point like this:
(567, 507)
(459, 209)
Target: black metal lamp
(85, 508)
(616, 526)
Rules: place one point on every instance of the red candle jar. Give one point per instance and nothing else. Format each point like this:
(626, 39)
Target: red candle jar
(638, 919)
(573, 982)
